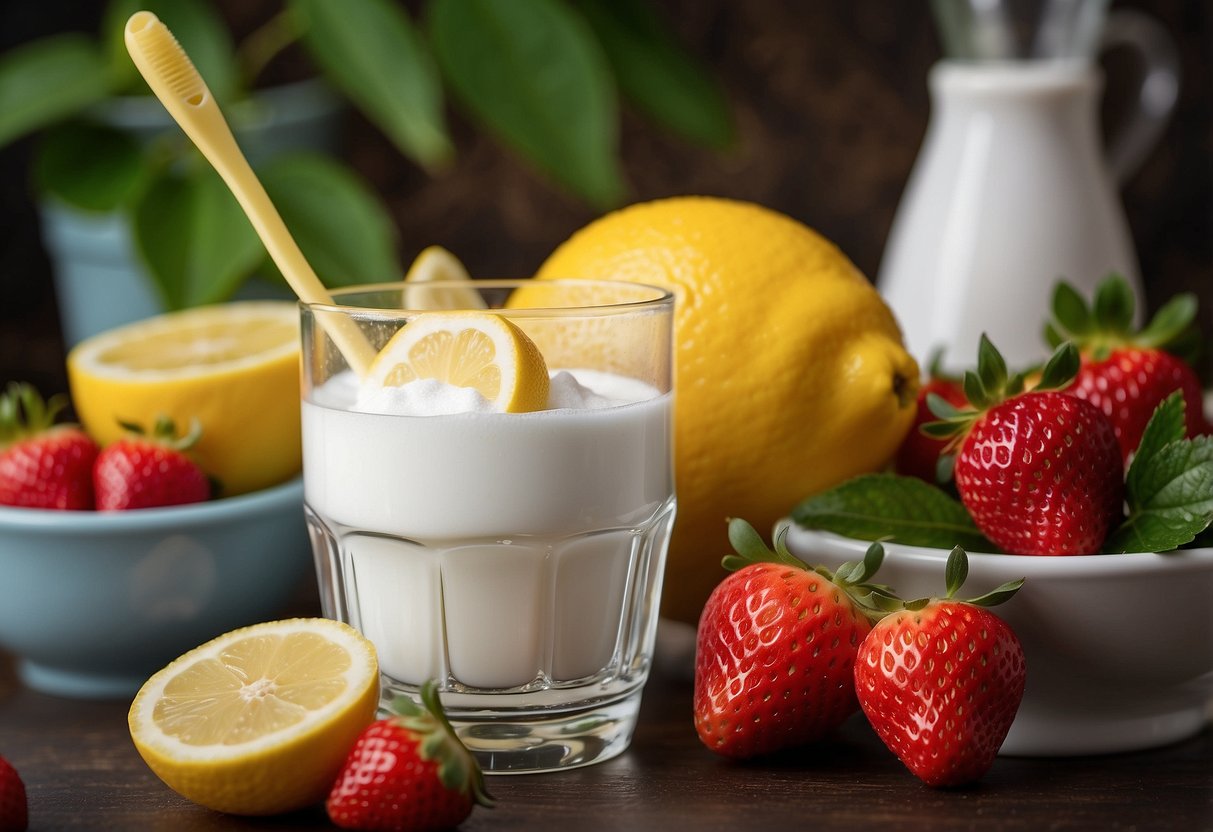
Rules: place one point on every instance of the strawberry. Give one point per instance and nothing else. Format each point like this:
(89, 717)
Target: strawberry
(14, 811)
(941, 680)
(1039, 471)
(775, 648)
(42, 465)
(144, 472)
(408, 772)
(1125, 372)
(919, 453)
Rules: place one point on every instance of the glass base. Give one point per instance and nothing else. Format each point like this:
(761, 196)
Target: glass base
(529, 742)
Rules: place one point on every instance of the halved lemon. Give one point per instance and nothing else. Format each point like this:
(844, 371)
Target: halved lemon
(234, 367)
(480, 350)
(259, 720)
(435, 263)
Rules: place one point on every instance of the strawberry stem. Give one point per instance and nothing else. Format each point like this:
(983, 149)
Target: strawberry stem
(438, 739)
(750, 548)
(1107, 323)
(24, 413)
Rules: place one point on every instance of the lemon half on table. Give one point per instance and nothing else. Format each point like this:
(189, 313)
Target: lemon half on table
(234, 367)
(259, 720)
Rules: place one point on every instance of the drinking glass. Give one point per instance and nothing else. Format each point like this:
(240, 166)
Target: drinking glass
(515, 557)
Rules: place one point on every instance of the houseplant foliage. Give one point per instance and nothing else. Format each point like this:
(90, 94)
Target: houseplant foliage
(543, 76)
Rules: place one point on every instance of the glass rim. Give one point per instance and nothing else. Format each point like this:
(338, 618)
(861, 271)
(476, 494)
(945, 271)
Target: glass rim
(659, 296)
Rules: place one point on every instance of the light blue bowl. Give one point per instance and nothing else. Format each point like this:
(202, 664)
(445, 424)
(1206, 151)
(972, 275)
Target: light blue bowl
(92, 604)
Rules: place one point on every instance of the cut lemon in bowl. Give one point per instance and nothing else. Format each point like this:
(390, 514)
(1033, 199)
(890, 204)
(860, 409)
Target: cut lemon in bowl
(233, 367)
(480, 350)
(259, 720)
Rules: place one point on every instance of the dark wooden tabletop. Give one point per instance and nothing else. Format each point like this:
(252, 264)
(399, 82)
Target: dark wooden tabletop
(82, 772)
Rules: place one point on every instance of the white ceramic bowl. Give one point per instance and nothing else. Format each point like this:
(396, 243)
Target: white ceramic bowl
(91, 604)
(1119, 648)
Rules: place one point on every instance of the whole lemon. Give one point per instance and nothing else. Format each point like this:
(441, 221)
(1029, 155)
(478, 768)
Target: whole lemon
(790, 374)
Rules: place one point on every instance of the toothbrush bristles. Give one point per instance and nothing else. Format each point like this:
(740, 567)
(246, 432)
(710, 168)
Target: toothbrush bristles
(171, 63)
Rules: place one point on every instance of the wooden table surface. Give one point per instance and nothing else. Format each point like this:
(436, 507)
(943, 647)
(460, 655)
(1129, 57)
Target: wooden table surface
(82, 772)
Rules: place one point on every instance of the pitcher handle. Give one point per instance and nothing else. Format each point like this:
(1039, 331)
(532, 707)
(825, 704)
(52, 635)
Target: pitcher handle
(1156, 93)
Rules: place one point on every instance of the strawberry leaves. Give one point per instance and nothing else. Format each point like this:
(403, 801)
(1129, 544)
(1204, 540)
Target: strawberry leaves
(1169, 487)
(1169, 492)
(992, 383)
(1107, 323)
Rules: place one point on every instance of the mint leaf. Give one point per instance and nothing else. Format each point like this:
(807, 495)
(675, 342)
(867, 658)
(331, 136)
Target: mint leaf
(1170, 496)
(890, 507)
(1167, 424)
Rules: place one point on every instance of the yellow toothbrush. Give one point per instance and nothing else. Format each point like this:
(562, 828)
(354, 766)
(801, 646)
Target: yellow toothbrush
(175, 81)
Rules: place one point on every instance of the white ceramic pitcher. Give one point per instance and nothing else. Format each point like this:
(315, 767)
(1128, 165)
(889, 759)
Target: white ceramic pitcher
(1013, 188)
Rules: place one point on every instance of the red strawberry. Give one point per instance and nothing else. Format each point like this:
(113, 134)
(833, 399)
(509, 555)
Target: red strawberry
(919, 453)
(408, 772)
(1125, 372)
(14, 811)
(1039, 471)
(144, 472)
(775, 648)
(42, 465)
(941, 681)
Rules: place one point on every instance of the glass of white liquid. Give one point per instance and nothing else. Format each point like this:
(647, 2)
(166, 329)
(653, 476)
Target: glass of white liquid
(516, 557)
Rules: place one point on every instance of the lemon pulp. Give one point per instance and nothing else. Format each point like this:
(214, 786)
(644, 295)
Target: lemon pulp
(259, 720)
(480, 350)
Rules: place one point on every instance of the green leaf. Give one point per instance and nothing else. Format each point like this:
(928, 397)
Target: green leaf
(1170, 500)
(956, 571)
(941, 408)
(990, 366)
(975, 390)
(343, 230)
(1070, 311)
(534, 74)
(1167, 424)
(194, 238)
(657, 74)
(202, 33)
(999, 595)
(1114, 305)
(372, 51)
(47, 81)
(1060, 369)
(890, 507)
(1052, 336)
(92, 167)
(1170, 322)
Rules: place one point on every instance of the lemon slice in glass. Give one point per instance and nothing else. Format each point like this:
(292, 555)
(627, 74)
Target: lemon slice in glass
(259, 720)
(480, 350)
(233, 367)
(435, 263)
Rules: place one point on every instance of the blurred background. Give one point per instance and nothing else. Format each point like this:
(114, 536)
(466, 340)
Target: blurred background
(828, 104)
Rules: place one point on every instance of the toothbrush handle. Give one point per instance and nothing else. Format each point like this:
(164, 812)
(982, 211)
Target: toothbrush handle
(210, 132)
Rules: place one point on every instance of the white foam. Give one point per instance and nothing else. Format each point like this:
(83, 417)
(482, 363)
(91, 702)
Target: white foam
(423, 397)
(569, 390)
